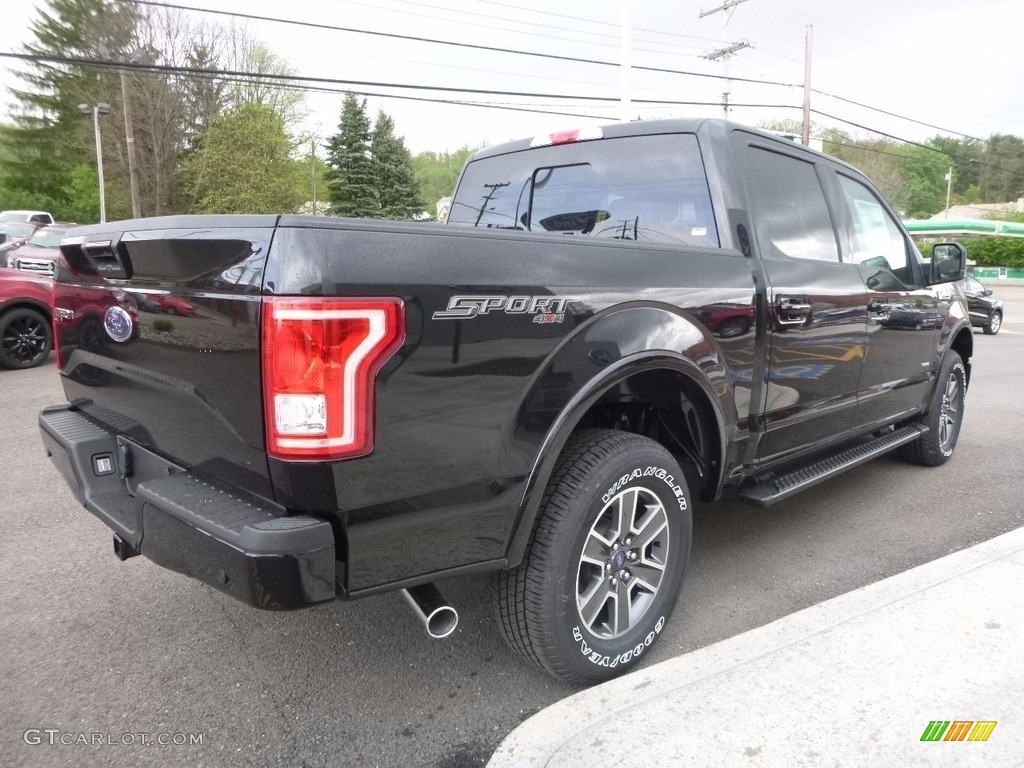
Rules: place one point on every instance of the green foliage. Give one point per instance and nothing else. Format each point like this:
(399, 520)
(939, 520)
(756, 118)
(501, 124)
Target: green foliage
(1002, 172)
(163, 326)
(875, 158)
(48, 137)
(924, 181)
(370, 173)
(437, 173)
(244, 165)
(996, 251)
(397, 187)
(83, 195)
(350, 179)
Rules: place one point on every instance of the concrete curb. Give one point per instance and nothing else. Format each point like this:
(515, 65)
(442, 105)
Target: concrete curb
(851, 681)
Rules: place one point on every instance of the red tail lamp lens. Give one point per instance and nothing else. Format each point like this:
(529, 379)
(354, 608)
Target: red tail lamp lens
(320, 364)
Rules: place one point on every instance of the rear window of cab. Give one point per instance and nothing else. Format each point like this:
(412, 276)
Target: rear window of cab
(649, 189)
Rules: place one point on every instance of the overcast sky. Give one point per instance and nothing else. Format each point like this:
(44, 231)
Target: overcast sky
(955, 65)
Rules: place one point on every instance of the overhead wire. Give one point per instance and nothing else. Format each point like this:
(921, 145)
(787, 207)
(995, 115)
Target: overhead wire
(470, 46)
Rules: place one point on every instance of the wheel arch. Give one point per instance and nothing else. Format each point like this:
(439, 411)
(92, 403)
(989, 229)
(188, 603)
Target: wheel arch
(26, 303)
(963, 344)
(653, 368)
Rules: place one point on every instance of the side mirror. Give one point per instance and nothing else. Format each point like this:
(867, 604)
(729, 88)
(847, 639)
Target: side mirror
(987, 292)
(949, 263)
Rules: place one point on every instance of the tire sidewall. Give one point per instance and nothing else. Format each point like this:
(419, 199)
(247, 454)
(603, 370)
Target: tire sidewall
(954, 366)
(598, 658)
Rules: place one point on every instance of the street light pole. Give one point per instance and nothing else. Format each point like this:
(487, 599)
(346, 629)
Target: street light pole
(97, 110)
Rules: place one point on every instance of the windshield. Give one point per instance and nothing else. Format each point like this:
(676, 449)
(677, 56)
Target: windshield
(646, 188)
(47, 238)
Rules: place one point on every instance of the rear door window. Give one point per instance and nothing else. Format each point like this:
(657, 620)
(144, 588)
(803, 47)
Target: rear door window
(649, 189)
(795, 217)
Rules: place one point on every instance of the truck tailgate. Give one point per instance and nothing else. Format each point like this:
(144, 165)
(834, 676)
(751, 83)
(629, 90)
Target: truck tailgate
(158, 320)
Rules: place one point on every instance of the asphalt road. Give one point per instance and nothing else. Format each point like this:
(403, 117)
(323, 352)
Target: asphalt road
(89, 645)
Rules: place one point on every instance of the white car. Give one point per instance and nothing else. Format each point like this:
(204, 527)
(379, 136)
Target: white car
(42, 218)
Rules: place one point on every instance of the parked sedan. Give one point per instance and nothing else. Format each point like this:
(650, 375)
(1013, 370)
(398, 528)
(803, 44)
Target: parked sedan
(25, 322)
(985, 311)
(40, 253)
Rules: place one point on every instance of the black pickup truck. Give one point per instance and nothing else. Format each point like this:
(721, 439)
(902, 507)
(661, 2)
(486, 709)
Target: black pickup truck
(295, 409)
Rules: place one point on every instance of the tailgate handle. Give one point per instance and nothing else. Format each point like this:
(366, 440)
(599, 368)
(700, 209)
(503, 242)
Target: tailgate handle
(109, 258)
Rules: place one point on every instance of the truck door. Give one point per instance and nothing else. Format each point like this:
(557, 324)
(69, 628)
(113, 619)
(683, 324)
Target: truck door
(816, 303)
(903, 319)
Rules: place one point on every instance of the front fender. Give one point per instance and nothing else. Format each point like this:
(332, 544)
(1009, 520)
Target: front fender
(599, 355)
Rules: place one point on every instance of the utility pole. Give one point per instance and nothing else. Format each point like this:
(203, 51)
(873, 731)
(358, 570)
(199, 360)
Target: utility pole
(624, 65)
(949, 189)
(727, 6)
(130, 140)
(725, 54)
(807, 86)
(492, 189)
(312, 168)
(133, 58)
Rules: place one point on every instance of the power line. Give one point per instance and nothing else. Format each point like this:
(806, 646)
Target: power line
(471, 46)
(899, 116)
(918, 144)
(283, 78)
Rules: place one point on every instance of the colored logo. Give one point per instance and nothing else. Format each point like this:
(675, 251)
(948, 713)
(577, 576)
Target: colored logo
(958, 730)
(118, 323)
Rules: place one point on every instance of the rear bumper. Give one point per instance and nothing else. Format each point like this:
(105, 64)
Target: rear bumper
(240, 544)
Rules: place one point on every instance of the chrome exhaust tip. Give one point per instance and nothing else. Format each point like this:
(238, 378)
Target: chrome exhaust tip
(433, 611)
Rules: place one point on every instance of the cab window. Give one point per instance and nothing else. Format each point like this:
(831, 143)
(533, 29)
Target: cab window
(795, 219)
(876, 239)
(651, 189)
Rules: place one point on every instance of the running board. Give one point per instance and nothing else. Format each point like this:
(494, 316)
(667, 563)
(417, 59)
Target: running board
(783, 486)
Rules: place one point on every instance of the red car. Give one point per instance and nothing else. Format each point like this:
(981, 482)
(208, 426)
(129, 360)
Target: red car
(25, 318)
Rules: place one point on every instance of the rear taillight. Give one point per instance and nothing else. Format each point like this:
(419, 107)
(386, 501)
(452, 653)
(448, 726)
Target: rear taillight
(320, 362)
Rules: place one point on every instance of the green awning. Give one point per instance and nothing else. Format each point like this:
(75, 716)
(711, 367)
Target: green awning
(933, 227)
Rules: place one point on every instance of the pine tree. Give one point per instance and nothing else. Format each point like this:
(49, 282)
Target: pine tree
(350, 175)
(49, 137)
(397, 187)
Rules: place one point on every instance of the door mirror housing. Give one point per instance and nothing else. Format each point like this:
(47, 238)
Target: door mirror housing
(949, 263)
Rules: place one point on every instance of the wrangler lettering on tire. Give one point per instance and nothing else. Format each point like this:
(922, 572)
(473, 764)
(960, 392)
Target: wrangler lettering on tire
(605, 559)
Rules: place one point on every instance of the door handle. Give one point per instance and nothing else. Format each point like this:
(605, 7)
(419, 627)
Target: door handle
(792, 310)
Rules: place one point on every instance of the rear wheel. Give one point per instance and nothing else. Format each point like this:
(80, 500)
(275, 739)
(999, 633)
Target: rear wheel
(605, 559)
(994, 324)
(25, 338)
(944, 418)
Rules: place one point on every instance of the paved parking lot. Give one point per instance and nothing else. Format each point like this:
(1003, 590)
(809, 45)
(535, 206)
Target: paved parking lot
(134, 653)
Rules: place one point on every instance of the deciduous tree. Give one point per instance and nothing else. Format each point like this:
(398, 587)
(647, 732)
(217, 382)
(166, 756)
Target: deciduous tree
(244, 164)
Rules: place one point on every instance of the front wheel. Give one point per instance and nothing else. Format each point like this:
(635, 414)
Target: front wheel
(994, 324)
(605, 560)
(25, 338)
(944, 418)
